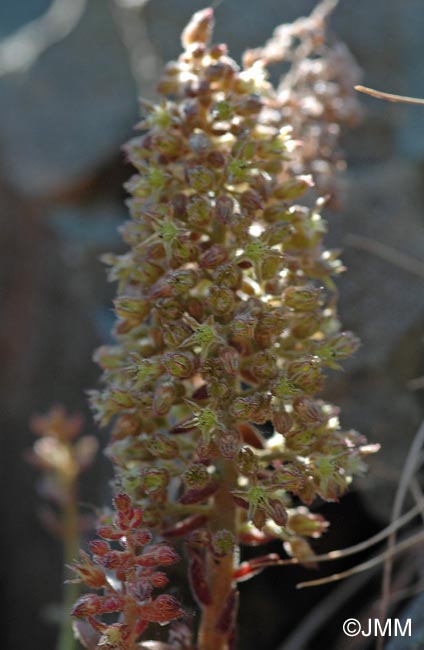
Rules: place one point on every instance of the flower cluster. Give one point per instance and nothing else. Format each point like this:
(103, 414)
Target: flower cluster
(226, 324)
(124, 567)
(61, 453)
(316, 96)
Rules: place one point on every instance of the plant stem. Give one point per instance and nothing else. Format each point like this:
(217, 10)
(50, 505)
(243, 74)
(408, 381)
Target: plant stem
(219, 571)
(71, 541)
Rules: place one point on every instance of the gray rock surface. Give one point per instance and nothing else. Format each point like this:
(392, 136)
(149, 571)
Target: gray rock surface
(71, 111)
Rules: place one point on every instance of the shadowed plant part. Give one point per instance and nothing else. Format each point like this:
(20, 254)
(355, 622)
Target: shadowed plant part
(61, 453)
(226, 322)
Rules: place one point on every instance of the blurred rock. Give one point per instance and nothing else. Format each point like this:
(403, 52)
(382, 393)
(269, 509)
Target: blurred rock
(71, 112)
(15, 14)
(384, 304)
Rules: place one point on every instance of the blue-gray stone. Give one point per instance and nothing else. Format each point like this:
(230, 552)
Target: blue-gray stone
(71, 111)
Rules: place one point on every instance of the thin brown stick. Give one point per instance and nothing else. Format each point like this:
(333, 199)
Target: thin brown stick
(401, 99)
(418, 538)
(387, 253)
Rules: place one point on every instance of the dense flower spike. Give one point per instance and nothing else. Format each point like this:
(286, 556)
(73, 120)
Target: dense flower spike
(316, 96)
(226, 321)
(126, 573)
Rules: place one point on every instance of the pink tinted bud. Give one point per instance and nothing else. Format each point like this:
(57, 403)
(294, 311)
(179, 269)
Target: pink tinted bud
(141, 537)
(109, 532)
(160, 555)
(159, 579)
(88, 605)
(125, 510)
(99, 547)
(116, 560)
(163, 609)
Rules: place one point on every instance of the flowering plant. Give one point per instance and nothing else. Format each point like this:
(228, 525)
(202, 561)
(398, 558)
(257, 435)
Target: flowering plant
(227, 321)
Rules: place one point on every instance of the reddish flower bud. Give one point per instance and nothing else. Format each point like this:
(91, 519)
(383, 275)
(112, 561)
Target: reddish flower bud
(108, 532)
(125, 510)
(141, 537)
(157, 555)
(88, 572)
(98, 547)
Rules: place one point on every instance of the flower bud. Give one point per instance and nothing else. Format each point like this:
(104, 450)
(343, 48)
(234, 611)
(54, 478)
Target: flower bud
(302, 298)
(306, 374)
(281, 419)
(307, 411)
(277, 233)
(175, 333)
(153, 480)
(161, 446)
(247, 462)
(213, 257)
(250, 200)
(224, 209)
(199, 29)
(294, 188)
(305, 325)
(228, 275)
(131, 310)
(229, 444)
(164, 397)
(108, 357)
(305, 523)
(199, 211)
(301, 550)
(230, 360)
(180, 364)
(264, 364)
(196, 476)
(200, 178)
(221, 300)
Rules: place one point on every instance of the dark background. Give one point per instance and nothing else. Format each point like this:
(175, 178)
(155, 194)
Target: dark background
(63, 119)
